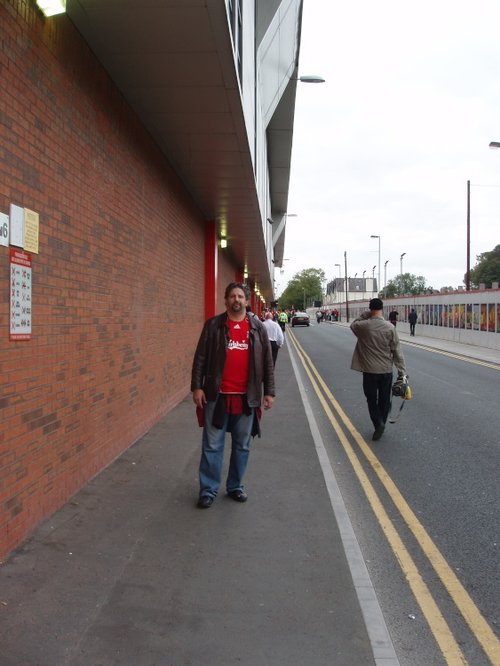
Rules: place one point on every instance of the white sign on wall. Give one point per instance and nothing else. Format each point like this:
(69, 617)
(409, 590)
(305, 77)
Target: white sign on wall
(16, 225)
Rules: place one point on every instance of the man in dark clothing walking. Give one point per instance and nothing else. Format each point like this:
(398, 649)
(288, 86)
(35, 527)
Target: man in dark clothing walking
(231, 366)
(412, 318)
(393, 317)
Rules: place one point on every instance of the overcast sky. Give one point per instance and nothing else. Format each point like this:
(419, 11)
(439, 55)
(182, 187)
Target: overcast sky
(387, 144)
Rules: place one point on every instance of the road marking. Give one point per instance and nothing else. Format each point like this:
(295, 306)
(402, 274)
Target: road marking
(478, 625)
(438, 625)
(460, 357)
(380, 639)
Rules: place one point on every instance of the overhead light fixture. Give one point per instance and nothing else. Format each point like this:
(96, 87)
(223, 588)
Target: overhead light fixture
(311, 78)
(52, 7)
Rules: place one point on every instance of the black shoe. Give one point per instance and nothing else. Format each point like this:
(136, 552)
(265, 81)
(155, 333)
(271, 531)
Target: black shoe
(238, 495)
(205, 502)
(379, 431)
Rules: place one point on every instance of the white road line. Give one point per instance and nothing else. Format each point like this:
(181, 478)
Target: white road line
(381, 642)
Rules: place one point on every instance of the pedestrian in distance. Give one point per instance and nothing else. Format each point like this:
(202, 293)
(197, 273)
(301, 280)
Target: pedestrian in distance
(393, 317)
(377, 350)
(412, 318)
(275, 335)
(283, 320)
(232, 367)
(249, 311)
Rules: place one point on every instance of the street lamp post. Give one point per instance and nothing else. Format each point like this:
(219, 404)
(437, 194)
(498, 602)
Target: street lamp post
(337, 290)
(373, 236)
(304, 298)
(401, 264)
(385, 275)
(346, 290)
(467, 274)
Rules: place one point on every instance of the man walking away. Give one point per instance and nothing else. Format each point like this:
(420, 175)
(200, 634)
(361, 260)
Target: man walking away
(412, 318)
(282, 320)
(377, 350)
(231, 366)
(393, 317)
(275, 335)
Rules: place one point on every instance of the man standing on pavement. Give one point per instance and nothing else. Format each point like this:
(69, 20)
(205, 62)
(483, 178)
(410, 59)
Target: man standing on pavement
(231, 366)
(275, 335)
(377, 350)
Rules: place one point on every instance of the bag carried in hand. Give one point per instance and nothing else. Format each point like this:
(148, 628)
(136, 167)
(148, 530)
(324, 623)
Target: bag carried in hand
(401, 388)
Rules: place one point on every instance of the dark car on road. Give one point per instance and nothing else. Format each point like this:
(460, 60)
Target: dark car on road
(300, 319)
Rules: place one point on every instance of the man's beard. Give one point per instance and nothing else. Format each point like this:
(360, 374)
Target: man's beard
(236, 306)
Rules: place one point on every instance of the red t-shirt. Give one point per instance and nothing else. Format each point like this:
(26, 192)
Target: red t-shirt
(235, 375)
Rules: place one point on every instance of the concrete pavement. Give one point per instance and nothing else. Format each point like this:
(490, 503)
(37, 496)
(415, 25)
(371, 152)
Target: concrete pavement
(131, 573)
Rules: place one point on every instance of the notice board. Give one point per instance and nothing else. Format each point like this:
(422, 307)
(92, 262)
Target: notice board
(20, 295)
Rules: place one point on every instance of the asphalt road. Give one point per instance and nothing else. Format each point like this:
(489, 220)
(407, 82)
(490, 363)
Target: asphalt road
(443, 456)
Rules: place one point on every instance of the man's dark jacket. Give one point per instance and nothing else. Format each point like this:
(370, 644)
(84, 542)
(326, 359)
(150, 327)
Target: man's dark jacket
(210, 357)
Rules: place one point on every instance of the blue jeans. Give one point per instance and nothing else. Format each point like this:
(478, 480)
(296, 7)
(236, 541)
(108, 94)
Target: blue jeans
(212, 451)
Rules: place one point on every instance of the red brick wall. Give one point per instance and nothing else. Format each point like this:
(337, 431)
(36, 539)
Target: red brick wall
(117, 303)
(226, 274)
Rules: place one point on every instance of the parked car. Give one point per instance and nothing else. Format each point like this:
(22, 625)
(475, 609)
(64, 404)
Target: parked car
(300, 319)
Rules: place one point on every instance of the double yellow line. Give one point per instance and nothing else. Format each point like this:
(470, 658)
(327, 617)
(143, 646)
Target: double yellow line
(438, 625)
(460, 357)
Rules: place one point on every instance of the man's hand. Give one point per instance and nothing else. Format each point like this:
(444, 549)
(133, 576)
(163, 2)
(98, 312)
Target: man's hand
(268, 401)
(199, 398)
